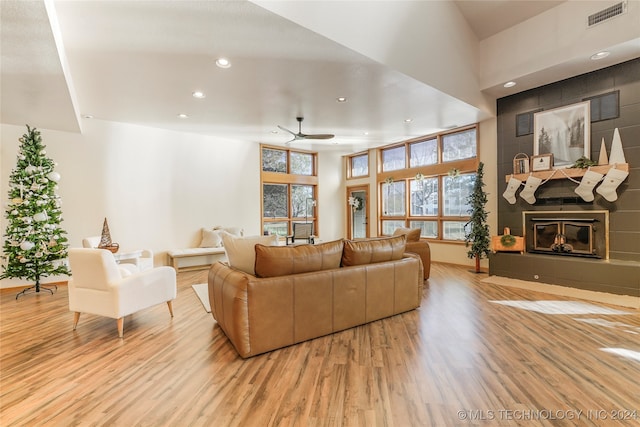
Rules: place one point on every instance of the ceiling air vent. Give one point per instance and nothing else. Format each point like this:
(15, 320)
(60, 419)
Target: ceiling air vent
(608, 13)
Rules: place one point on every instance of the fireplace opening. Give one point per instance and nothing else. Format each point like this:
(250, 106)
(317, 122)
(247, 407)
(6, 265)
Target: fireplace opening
(583, 233)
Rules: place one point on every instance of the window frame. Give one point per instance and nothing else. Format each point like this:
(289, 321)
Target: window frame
(290, 180)
(440, 170)
(350, 158)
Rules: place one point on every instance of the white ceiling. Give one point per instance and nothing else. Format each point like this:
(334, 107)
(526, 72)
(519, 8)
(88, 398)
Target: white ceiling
(139, 62)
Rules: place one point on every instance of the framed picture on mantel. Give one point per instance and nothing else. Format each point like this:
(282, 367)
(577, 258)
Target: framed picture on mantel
(542, 162)
(564, 132)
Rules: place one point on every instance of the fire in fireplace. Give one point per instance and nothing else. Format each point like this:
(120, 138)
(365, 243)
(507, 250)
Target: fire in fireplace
(575, 233)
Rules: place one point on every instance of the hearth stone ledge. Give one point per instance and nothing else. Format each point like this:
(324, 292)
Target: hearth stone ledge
(609, 276)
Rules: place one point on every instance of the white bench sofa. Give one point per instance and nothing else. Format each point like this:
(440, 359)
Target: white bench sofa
(209, 251)
(195, 258)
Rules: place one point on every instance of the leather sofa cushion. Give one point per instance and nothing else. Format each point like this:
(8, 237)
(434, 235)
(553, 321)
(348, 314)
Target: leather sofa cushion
(273, 261)
(413, 234)
(373, 250)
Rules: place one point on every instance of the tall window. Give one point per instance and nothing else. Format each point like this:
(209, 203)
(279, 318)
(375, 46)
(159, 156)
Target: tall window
(358, 165)
(289, 189)
(431, 193)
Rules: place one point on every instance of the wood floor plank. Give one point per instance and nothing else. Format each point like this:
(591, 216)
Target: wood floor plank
(473, 354)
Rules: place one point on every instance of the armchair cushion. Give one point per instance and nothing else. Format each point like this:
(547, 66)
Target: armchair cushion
(241, 252)
(272, 261)
(373, 250)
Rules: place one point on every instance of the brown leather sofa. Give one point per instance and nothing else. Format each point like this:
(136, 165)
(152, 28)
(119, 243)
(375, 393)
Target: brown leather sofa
(417, 246)
(307, 291)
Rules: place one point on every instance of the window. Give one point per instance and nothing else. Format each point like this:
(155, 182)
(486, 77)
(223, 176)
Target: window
(274, 200)
(393, 198)
(301, 163)
(358, 165)
(289, 189)
(301, 201)
(458, 146)
(274, 160)
(456, 190)
(432, 193)
(423, 153)
(424, 196)
(394, 158)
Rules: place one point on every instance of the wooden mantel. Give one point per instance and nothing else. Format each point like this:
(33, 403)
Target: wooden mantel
(568, 172)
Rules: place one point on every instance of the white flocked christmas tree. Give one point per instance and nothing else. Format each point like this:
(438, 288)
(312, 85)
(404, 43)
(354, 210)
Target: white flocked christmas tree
(35, 246)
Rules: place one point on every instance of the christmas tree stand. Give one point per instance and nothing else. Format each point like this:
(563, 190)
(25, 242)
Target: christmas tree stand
(37, 288)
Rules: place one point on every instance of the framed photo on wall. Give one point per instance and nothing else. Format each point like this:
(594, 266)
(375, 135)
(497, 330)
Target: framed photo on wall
(564, 132)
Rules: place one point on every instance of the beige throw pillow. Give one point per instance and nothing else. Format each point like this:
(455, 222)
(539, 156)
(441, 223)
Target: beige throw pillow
(241, 252)
(211, 238)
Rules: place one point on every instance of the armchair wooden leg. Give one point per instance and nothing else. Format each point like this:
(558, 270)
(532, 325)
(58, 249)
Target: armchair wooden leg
(76, 317)
(170, 305)
(121, 327)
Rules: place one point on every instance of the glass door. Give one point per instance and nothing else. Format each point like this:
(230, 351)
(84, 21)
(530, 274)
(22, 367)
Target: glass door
(357, 212)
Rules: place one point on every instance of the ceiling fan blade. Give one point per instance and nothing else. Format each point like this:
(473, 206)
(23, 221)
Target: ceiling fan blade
(292, 133)
(319, 136)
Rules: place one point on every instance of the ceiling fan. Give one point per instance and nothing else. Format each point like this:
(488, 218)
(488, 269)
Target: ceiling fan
(300, 135)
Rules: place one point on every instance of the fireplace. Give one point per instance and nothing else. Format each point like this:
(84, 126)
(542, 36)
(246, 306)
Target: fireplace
(567, 233)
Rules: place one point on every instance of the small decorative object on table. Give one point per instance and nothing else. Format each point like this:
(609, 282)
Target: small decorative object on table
(507, 242)
(105, 239)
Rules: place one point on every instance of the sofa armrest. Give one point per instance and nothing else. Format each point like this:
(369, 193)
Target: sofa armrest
(229, 305)
(423, 250)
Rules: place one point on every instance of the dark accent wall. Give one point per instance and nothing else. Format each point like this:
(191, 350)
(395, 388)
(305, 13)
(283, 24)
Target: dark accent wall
(558, 195)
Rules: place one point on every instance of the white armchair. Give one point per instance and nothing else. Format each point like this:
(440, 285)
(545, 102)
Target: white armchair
(99, 286)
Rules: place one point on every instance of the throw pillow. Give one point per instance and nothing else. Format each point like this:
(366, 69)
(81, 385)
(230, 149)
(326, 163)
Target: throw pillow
(240, 251)
(211, 238)
(373, 250)
(236, 231)
(272, 261)
(413, 234)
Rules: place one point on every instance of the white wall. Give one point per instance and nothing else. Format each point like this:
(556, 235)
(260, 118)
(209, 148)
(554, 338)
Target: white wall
(158, 188)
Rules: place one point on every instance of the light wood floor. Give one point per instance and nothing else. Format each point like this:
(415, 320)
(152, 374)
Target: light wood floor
(460, 359)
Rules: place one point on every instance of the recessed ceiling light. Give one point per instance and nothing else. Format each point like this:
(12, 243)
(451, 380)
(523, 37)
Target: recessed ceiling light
(223, 63)
(183, 116)
(599, 55)
(509, 84)
(341, 99)
(87, 116)
(408, 120)
(365, 133)
(198, 94)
